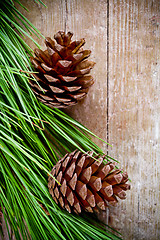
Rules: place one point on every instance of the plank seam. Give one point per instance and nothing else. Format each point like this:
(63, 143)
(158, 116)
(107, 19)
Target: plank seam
(107, 73)
(66, 17)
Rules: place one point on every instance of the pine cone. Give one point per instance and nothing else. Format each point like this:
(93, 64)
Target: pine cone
(62, 78)
(86, 184)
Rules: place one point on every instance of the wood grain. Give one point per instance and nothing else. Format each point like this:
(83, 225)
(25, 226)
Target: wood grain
(134, 107)
(88, 20)
(123, 105)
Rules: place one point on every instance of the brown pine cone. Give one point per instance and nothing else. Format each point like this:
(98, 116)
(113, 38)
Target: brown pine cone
(86, 184)
(63, 71)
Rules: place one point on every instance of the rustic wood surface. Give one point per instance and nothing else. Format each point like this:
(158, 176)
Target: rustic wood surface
(123, 105)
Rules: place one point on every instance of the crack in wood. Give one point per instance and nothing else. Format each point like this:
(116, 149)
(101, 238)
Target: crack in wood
(66, 17)
(107, 73)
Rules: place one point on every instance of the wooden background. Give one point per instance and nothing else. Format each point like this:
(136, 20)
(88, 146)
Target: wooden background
(123, 105)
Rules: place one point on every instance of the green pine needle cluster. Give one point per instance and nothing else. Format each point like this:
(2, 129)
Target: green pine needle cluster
(32, 137)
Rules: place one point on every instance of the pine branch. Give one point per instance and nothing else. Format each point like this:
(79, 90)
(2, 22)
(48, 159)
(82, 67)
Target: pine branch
(27, 155)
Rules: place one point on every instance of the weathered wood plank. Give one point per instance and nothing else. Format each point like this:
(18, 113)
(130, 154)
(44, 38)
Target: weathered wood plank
(134, 106)
(86, 19)
(48, 19)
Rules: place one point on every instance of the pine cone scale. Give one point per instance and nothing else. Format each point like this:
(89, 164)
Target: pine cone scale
(106, 189)
(81, 189)
(63, 187)
(73, 181)
(90, 198)
(86, 175)
(70, 196)
(77, 207)
(99, 201)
